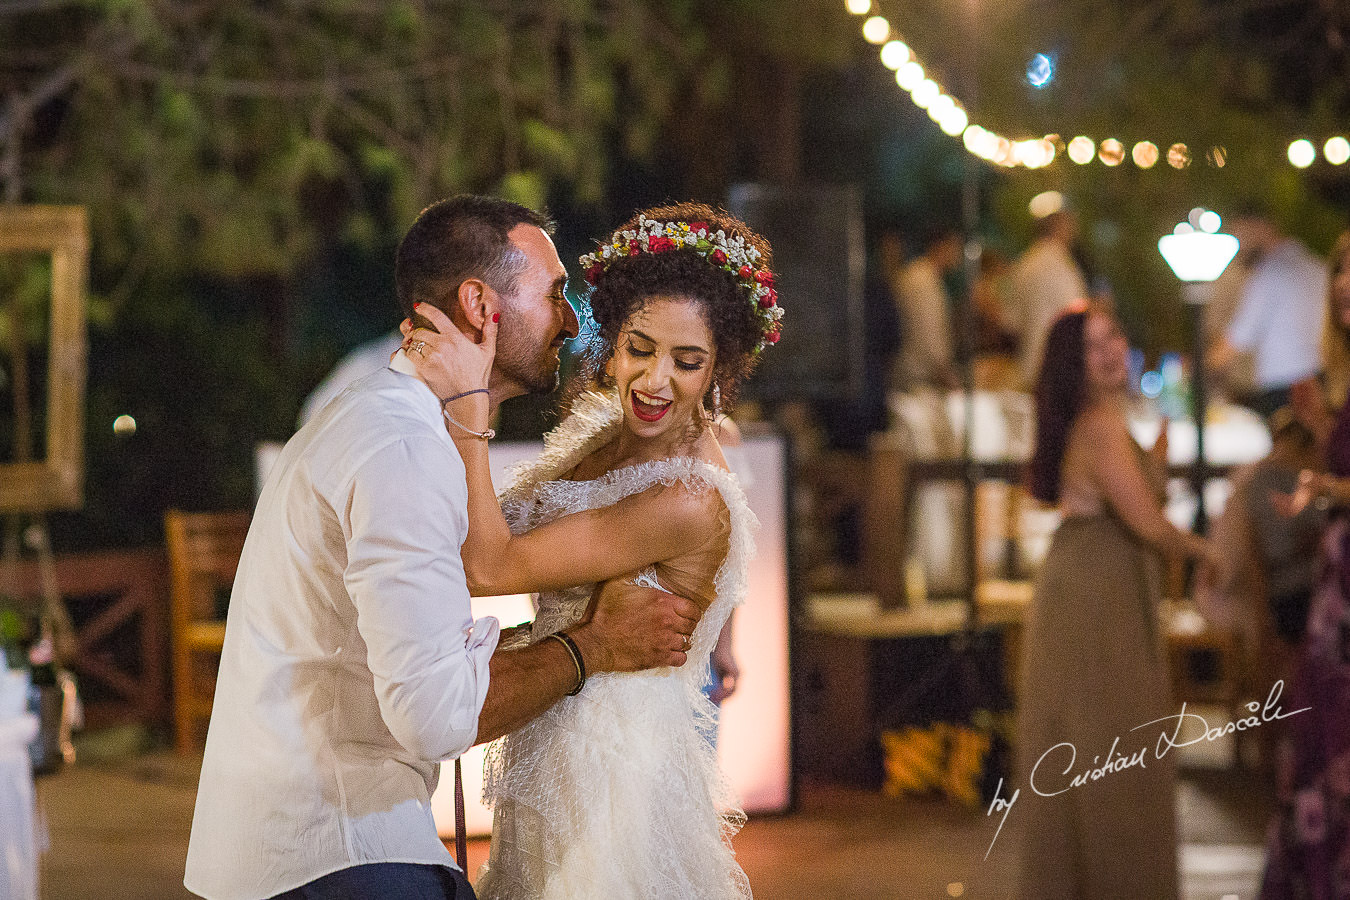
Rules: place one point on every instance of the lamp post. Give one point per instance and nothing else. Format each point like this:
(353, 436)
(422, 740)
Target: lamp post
(1198, 258)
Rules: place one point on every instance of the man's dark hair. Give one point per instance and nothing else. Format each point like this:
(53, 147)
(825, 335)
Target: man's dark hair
(461, 237)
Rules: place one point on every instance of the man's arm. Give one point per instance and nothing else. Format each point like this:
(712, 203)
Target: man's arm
(631, 628)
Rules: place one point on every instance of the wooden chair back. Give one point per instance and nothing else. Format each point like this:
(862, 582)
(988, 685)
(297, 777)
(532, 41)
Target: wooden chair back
(203, 550)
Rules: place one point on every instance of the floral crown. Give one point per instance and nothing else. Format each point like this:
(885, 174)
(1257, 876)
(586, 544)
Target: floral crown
(729, 253)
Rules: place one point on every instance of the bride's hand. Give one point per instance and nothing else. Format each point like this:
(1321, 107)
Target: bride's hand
(449, 361)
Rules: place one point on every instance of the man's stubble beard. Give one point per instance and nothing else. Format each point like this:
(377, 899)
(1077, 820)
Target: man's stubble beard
(531, 366)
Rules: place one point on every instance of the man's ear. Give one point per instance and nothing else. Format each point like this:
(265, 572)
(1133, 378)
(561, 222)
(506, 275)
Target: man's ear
(475, 301)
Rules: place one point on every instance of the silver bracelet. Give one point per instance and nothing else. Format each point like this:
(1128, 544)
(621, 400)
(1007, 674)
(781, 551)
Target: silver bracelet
(487, 435)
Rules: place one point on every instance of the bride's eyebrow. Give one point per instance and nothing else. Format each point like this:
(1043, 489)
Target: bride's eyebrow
(689, 348)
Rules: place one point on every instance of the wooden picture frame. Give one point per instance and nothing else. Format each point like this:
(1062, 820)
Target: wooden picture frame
(56, 481)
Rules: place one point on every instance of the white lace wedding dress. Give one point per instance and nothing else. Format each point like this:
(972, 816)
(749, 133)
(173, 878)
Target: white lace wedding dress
(615, 794)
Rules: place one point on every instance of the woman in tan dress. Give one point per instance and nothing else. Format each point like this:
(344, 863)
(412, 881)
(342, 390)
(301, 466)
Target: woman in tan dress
(1097, 789)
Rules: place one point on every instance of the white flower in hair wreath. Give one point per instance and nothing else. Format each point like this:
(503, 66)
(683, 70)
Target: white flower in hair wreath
(731, 254)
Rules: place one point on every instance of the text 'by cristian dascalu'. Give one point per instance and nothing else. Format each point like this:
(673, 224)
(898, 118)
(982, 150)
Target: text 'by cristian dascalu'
(1054, 772)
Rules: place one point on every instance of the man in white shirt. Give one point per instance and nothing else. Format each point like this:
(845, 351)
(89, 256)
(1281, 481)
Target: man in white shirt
(351, 664)
(1045, 280)
(1279, 312)
(927, 350)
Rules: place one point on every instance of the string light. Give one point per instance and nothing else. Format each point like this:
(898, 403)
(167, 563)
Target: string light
(1111, 152)
(954, 122)
(1145, 154)
(925, 93)
(953, 119)
(876, 30)
(1081, 150)
(910, 75)
(1178, 156)
(1302, 153)
(894, 54)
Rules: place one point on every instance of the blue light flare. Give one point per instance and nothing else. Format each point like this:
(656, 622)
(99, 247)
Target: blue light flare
(1040, 71)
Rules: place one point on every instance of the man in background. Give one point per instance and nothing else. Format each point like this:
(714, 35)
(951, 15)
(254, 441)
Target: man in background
(1045, 279)
(927, 352)
(1279, 311)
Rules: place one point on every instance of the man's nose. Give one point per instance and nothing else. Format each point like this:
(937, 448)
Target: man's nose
(571, 327)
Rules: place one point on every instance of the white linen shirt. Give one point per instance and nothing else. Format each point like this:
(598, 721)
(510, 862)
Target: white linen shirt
(1045, 280)
(927, 351)
(351, 662)
(1279, 315)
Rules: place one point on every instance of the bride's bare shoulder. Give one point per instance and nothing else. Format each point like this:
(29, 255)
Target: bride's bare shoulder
(708, 449)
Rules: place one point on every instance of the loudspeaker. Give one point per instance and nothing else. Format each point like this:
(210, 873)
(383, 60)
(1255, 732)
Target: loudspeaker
(818, 254)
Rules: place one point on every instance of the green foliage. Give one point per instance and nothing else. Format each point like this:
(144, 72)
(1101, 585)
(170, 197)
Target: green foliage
(248, 168)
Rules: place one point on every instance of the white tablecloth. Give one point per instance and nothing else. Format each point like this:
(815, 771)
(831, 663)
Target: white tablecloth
(18, 841)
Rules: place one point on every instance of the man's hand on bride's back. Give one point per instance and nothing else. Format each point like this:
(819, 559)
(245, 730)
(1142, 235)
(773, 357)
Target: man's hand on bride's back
(633, 628)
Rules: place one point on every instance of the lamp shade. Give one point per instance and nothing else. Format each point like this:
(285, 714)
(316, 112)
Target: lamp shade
(1198, 256)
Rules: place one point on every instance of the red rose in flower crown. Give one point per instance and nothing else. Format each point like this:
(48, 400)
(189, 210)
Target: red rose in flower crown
(660, 244)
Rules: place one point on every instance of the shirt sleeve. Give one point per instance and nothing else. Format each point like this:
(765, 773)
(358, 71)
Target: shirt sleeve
(1245, 327)
(406, 519)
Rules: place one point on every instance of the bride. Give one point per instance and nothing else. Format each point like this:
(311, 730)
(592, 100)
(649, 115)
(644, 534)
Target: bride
(615, 791)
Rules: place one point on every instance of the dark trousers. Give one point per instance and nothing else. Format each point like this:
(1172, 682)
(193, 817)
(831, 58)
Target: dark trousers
(386, 881)
(1266, 400)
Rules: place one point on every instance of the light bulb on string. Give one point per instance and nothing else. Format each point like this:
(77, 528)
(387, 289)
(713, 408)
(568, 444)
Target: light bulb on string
(925, 93)
(894, 54)
(1111, 152)
(940, 107)
(1081, 150)
(910, 75)
(954, 122)
(1145, 154)
(876, 29)
(1337, 150)
(1302, 153)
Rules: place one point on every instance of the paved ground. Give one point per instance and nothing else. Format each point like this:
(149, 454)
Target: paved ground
(119, 830)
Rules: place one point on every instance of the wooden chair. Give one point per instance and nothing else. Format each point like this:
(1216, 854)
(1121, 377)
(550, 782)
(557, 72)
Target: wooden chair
(204, 550)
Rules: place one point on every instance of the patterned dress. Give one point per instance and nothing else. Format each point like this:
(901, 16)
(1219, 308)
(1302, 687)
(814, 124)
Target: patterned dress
(616, 792)
(1308, 847)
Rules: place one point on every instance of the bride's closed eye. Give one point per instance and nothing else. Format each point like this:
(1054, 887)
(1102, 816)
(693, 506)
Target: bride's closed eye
(679, 364)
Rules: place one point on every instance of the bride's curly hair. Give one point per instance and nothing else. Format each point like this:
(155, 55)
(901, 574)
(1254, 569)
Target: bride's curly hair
(627, 285)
